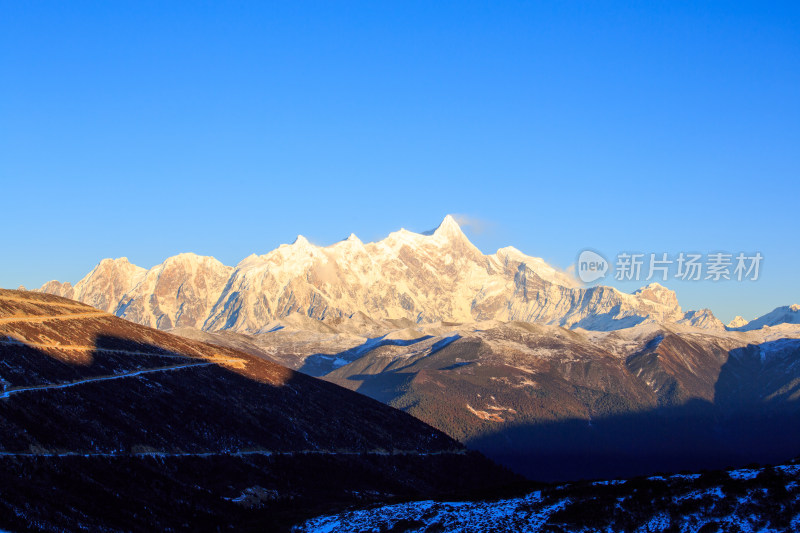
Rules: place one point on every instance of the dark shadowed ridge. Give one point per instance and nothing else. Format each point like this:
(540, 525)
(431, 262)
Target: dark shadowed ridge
(675, 404)
(108, 425)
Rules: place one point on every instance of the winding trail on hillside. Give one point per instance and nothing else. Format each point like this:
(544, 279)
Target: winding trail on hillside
(86, 348)
(45, 318)
(232, 453)
(44, 302)
(9, 392)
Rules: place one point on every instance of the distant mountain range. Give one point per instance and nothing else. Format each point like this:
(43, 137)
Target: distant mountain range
(422, 278)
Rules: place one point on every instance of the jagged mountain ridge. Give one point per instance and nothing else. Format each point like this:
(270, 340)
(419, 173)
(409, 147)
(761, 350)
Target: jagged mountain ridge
(428, 277)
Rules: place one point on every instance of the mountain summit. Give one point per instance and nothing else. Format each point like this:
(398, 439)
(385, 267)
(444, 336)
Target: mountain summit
(448, 229)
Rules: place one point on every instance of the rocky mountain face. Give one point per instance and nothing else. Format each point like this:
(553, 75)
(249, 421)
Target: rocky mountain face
(107, 425)
(424, 278)
(179, 292)
(104, 286)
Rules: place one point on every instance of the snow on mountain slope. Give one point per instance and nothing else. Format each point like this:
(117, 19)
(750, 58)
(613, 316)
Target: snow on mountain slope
(421, 277)
(703, 318)
(737, 322)
(787, 314)
(177, 293)
(104, 286)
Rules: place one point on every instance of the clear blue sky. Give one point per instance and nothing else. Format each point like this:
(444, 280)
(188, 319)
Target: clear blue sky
(146, 129)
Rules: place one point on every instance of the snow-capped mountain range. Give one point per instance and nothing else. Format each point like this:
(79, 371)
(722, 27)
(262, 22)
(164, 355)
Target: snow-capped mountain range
(787, 314)
(421, 277)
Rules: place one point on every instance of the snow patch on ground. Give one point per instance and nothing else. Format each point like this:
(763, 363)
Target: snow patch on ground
(744, 473)
(712, 509)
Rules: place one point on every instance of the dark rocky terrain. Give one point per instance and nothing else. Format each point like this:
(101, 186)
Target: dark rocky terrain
(107, 425)
(751, 499)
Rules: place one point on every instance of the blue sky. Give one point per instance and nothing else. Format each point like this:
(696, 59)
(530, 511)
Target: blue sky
(146, 129)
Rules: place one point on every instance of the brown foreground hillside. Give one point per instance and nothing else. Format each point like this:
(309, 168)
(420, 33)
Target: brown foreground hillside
(109, 425)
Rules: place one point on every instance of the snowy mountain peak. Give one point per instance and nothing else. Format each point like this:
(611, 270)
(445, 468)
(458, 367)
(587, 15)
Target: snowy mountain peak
(509, 254)
(787, 314)
(655, 292)
(301, 241)
(188, 257)
(118, 261)
(300, 247)
(448, 228)
(250, 261)
(403, 237)
(737, 322)
(120, 264)
(702, 318)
